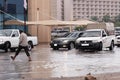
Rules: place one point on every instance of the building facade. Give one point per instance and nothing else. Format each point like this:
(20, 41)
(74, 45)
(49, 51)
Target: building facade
(11, 10)
(57, 9)
(86, 9)
(37, 10)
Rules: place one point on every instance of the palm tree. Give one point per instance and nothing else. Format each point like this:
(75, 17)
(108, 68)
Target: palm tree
(117, 18)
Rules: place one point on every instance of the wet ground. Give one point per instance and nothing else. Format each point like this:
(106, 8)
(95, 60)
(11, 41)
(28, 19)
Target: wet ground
(47, 63)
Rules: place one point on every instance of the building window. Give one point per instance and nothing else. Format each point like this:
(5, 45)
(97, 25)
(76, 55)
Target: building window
(11, 9)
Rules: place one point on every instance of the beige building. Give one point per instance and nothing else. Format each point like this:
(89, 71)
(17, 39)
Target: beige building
(39, 10)
(57, 9)
(67, 10)
(85, 9)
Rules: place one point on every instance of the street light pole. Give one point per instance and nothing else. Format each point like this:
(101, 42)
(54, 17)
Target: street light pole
(37, 21)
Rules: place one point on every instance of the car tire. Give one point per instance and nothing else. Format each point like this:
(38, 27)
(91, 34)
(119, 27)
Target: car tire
(100, 46)
(30, 46)
(71, 46)
(7, 46)
(111, 46)
(118, 45)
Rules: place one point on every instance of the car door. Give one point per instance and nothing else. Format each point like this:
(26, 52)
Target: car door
(15, 39)
(105, 39)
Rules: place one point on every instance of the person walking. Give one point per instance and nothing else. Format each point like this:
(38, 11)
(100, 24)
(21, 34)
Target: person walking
(23, 44)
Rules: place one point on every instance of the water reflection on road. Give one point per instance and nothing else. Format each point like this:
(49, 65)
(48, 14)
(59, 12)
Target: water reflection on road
(75, 63)
(52, 63)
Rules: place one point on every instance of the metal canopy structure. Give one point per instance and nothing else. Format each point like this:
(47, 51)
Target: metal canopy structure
(50, 22)
(14, 22)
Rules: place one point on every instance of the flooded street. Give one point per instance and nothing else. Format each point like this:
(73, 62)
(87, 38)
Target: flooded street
(48, 63)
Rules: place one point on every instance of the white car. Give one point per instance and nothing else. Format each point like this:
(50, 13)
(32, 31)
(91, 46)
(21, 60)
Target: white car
(95, 39)
(9, 39)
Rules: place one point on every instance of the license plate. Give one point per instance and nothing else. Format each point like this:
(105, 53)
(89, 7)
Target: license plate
(64, 45)
(55, 44)
(84, 44)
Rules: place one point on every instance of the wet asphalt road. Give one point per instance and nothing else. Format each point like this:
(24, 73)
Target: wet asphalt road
(48, 63)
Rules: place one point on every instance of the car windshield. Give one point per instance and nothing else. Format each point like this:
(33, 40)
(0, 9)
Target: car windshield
(5, 32)
(70, 35)
(91, 34)
(117, 29)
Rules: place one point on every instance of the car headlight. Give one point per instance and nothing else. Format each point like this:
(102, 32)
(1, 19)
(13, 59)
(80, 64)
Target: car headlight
(65, 41)
(95, 41)
(1, 40)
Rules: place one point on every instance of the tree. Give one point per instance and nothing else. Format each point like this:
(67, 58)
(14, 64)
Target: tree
(80, 28)
(117, 24)
(106, 18)
(117, 18)
(94, 18)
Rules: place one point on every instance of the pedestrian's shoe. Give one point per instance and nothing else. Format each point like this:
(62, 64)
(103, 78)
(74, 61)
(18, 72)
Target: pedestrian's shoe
(30, 60)
(12, 58)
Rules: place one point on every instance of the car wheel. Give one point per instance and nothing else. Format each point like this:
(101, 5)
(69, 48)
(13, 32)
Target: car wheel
(100, 46)
(71, 46)
(7, 46)
(111, 46)
(30, 46)
(118, 45)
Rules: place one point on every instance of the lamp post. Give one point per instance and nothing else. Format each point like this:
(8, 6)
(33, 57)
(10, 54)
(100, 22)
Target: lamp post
(37, 21)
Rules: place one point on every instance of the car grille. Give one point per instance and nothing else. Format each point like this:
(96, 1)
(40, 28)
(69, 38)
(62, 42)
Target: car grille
(57, 42)
(85, 41)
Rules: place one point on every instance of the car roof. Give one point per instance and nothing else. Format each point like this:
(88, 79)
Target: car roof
(77, 31)
(94, 29)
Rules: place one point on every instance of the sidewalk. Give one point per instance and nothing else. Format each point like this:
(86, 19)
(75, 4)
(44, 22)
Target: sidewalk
(45, 65)
(109, 76)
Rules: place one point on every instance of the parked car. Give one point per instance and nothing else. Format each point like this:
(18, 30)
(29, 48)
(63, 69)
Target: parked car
(58, 33)
(65, 42)
(97, 37)
(117, 41)
(117, 31)
(9, 39)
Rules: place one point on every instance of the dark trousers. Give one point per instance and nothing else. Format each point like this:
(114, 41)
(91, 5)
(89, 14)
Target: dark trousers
(25, 49)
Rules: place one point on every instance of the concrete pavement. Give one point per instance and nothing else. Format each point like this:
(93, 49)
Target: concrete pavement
(40, 68)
